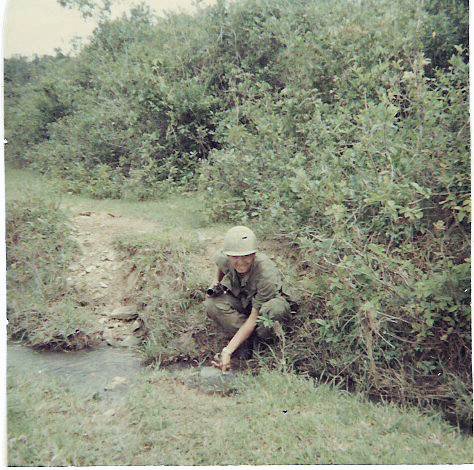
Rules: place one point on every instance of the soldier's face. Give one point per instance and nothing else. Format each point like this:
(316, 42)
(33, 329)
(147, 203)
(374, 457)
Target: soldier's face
(242, 264)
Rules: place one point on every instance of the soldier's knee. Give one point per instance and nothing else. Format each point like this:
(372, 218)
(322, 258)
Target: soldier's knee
(275, 309)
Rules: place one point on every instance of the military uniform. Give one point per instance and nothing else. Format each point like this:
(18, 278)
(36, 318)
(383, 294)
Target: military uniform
(260, 288)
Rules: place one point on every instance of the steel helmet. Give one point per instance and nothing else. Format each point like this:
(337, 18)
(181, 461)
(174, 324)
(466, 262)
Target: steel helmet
(240, 241)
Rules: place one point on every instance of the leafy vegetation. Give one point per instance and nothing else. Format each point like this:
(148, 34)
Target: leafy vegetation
(339, 133)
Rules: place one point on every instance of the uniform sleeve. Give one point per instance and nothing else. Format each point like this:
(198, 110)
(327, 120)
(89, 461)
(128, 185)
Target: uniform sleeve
(268, 285)
(222, 262)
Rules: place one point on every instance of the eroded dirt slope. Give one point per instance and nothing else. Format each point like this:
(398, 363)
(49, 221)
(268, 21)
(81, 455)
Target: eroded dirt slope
(102, 277)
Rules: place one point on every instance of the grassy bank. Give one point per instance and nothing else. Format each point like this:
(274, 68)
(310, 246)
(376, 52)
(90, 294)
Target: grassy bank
(274, 419)
(43, 310)
(173, 266)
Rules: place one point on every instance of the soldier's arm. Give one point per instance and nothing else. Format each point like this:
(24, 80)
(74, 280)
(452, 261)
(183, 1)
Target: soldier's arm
(243, 332)
(220, 275)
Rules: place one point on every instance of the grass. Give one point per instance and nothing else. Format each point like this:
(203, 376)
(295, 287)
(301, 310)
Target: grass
(178, 213)
(42, 309)
(274, 419)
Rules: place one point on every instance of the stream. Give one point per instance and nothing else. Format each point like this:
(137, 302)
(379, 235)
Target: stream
(106, 371)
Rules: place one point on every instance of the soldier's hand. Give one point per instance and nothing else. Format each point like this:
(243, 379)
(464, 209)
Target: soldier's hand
(222, 360)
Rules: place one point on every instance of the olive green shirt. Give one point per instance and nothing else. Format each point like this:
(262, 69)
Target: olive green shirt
(261, 284)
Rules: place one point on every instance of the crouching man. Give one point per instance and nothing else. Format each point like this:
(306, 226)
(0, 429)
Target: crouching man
(248, 296)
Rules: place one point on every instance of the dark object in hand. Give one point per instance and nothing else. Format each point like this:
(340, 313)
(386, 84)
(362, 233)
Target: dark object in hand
(217, 290)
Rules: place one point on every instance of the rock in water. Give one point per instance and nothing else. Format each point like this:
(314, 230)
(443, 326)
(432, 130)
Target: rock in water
(128, 312)
(116, 382)
(210, 373)
(212, 380)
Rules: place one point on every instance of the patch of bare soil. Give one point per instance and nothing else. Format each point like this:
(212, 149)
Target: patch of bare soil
(102, 279)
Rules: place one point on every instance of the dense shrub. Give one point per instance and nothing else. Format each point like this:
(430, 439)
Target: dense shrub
(362, 168)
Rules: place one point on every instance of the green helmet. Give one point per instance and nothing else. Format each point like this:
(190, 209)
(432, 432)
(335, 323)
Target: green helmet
(240, 241)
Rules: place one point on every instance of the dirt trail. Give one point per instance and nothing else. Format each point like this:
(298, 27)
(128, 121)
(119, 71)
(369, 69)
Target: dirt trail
(103, 279)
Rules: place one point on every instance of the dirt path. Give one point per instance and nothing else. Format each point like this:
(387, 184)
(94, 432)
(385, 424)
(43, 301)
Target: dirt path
(103, 279)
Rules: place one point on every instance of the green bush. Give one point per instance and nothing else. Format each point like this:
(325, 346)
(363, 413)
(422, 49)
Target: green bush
(362, 168)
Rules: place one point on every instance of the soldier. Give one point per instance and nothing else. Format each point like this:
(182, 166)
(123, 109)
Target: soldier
(248, 292)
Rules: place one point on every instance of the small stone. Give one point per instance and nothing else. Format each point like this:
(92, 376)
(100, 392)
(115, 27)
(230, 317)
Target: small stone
(132, 279)
(89, 269)
(103, 285)
(127, 312)
(111, 339)
(209, 372)
(116, 382)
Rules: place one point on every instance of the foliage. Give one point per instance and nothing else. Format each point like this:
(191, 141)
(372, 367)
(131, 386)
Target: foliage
(362, 170)
(42, 310)
(448, 27)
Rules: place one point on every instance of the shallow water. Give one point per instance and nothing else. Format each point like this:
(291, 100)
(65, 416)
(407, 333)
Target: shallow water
(106, 372)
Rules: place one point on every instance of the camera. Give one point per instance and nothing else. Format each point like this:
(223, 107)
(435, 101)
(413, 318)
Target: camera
(217, 290)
